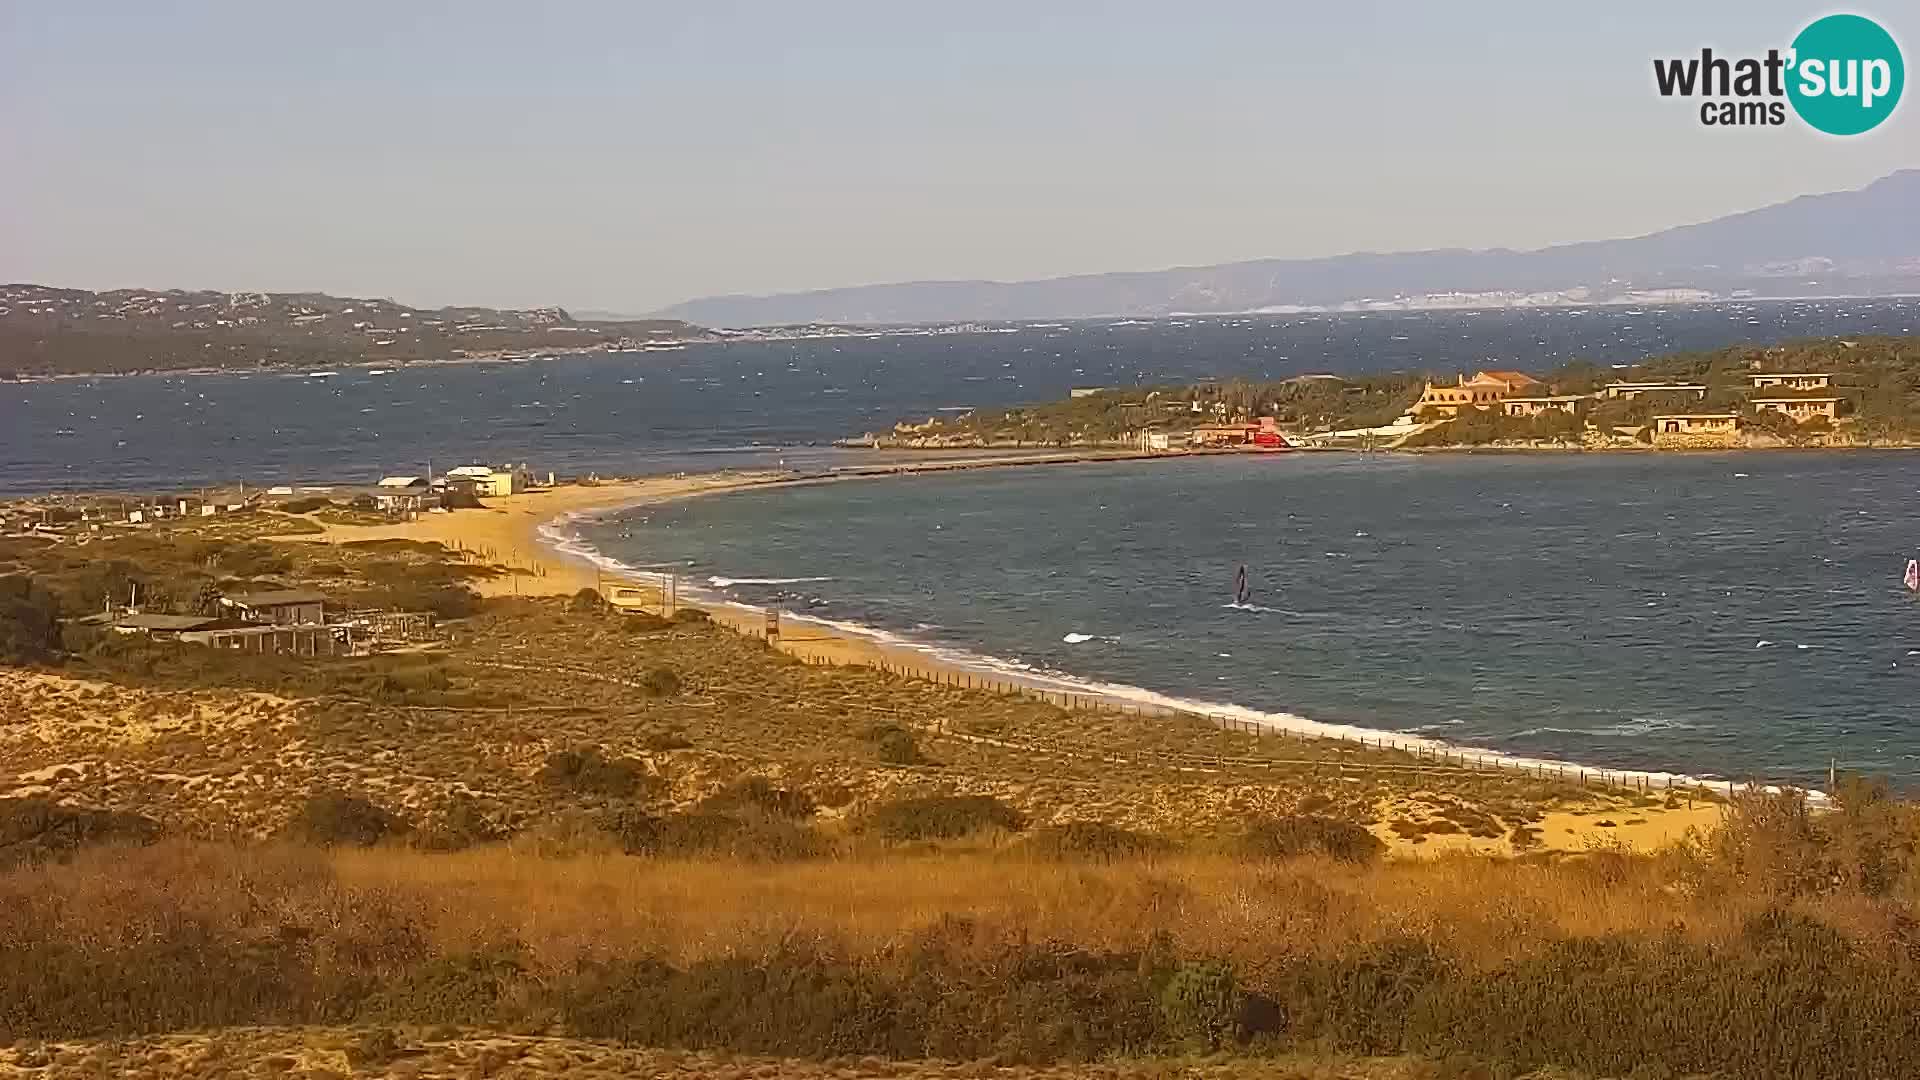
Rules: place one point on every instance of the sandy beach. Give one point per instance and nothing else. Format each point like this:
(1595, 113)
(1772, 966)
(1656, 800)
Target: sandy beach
(506, 532)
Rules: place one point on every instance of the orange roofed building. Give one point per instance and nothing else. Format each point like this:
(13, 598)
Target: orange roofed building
(1486, 390)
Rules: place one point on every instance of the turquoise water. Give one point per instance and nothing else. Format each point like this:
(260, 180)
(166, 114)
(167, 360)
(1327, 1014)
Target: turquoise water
(1716, 615)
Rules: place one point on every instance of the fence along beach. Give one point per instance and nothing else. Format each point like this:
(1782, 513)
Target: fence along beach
(530, 534)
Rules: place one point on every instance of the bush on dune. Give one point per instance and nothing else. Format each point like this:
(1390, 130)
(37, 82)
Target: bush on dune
(707, 834)
(1092, 841)
(895, 745)
(335, 818)
(34, 830)
(940, 817)
(589, 772)
(1287, 837)
(758, 793)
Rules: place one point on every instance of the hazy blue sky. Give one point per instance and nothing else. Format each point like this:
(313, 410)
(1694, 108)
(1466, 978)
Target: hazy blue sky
(627, 155)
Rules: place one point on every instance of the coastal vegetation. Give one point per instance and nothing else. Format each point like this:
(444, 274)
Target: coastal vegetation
(1877, 380)
(47, 331)
(664, 835)
(1764, 954)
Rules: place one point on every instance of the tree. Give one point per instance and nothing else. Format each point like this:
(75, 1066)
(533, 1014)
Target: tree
(1557, 426)
(29, 621)
(1578, 377)
(1777, 424)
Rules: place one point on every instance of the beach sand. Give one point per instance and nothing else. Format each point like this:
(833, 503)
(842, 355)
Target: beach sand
(506, 532)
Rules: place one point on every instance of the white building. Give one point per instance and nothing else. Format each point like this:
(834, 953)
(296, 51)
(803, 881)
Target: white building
(490, 482)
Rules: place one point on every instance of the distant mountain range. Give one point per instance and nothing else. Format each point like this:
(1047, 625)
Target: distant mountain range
(50, 331)
(1864, 242)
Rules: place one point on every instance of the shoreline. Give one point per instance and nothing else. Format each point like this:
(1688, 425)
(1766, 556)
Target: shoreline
(529, 534)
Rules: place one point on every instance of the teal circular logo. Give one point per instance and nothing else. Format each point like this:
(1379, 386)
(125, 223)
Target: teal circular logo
(1846, 75)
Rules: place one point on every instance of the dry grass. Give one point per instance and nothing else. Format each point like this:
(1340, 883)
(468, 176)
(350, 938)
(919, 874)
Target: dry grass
(1250, 911)
(1504, 959)
(455, 1054)
(688, 910)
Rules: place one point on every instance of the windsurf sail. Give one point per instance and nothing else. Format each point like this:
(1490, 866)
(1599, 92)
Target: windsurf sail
(1912, 578)
(1241, 594)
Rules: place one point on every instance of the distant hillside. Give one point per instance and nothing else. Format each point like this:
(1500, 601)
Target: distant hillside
(1864, 242)
(48, 331)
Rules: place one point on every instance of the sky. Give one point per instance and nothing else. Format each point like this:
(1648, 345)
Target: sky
(622, 156)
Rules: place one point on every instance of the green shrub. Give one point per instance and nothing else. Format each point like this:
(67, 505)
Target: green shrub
(464, 988)
(660, 682)
(306, 506)
(1359, 999)
(29, 622)
(252, 559)
(1093, 841)
(1025, 1003)
(1201, 1003)
(691, 615)
(895, 745)
(711, 834)
(589, 772)
(587, 602)
(791, 1004)
(940, 817)
(335, 818)
(463, 825)
(34, 830)
(445, 601)
(374, 1049)
(663, 741)
(188, 977)
(1286, 837)
(758, 793)
(642, 622)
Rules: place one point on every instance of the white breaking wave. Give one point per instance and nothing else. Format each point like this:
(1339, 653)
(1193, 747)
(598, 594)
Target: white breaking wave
(719, 582)
(1641, 725)
(559, 534)
(562, 535)
(1075, 639)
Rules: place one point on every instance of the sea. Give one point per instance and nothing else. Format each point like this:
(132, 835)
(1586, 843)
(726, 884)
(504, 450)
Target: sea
(754, 404)
(1728, 616)
(1736, 616)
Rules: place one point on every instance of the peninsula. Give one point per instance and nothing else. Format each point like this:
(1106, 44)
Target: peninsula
(1822, 392)
(47, 331)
